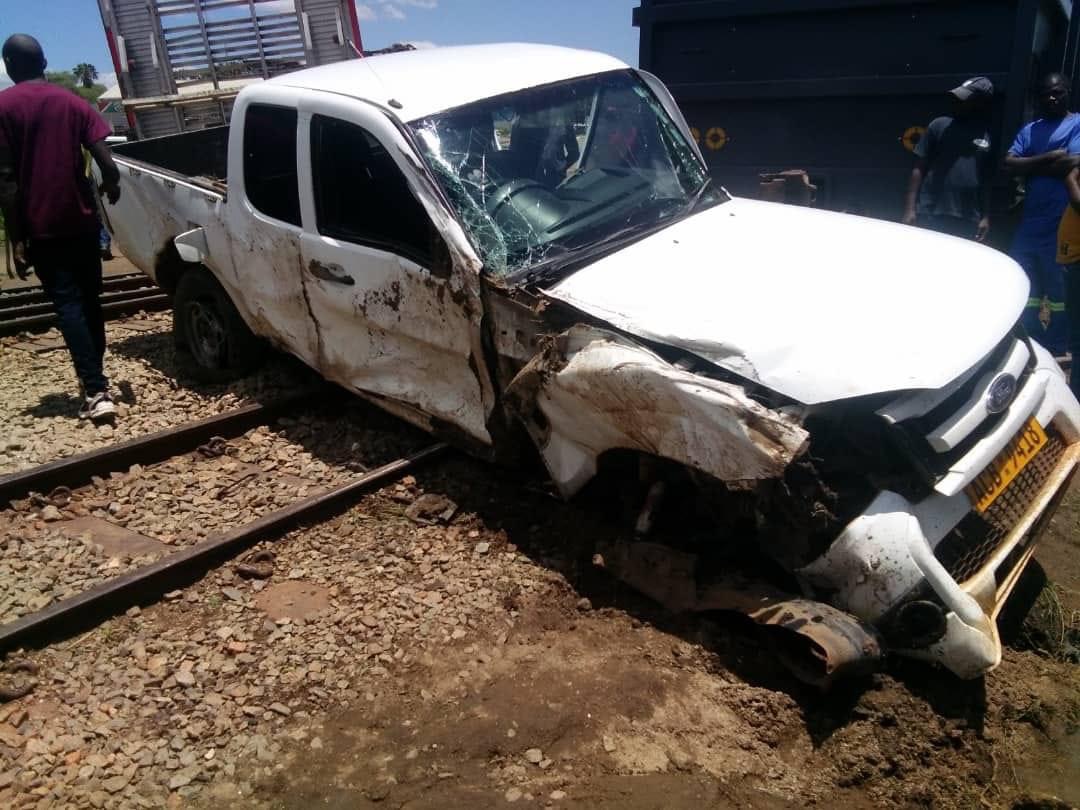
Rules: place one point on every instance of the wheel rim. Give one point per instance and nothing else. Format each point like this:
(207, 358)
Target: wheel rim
(206, 334)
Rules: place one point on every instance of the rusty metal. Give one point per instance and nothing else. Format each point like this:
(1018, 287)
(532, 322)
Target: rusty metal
(36, 294)
(257, 565)
(182, 568)
(32, 309)
(17, 689)
(215, 448)
(817, 642)
(29, 309)
(15, 321)
(792, 187)
(78, 470)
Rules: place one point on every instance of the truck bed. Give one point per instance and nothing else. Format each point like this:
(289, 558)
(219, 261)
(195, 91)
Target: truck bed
(200, 156)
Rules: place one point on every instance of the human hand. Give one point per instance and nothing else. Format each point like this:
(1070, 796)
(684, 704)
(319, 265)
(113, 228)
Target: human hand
(112, 193)
(909, 216)
(21, 260)
(1064, 162)
(982, 230)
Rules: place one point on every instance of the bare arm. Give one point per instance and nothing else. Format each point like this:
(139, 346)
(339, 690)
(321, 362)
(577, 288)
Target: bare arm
(982, 230)
(1049, 164)
(110, 175)
(1072, 185)
(912, 198)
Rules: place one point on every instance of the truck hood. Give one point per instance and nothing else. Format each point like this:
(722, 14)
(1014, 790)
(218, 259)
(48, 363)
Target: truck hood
(815, 305)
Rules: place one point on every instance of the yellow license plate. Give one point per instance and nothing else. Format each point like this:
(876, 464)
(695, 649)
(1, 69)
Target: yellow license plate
(1024, 446)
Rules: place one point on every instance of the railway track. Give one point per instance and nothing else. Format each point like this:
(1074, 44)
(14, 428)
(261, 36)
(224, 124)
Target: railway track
(29, 310)
(74, 478)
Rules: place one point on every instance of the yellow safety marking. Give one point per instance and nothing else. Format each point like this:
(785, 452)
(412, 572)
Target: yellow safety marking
(716, 138)
(912, 137)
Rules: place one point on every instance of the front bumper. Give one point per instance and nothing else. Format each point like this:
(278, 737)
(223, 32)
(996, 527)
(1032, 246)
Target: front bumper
(940, 552)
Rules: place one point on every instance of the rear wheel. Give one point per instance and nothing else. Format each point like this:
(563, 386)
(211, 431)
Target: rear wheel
(217, 343)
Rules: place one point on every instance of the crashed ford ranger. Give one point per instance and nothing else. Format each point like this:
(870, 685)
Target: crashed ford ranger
(522, 243)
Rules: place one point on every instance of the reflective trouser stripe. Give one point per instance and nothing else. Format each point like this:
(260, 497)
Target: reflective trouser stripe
(1053, 306)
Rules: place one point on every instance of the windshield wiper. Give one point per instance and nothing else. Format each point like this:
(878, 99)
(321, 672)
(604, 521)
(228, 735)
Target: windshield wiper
(554, 265)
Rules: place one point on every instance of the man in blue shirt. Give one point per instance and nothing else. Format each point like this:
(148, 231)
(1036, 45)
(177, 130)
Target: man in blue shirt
(1044, 152)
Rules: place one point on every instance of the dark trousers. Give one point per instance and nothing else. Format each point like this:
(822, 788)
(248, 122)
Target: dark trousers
(1072, 312)
(70, 274)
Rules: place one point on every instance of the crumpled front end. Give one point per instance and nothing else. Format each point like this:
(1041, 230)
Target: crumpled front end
(915, 514)
(933, 572)
(591, 391)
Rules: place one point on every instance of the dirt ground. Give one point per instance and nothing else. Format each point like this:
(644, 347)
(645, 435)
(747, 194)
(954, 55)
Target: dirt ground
(486, 662)
(608, 703)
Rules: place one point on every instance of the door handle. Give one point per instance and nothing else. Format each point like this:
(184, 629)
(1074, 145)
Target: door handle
(330, 272)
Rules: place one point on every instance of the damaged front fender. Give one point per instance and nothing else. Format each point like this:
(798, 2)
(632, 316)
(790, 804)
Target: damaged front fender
(591, 390)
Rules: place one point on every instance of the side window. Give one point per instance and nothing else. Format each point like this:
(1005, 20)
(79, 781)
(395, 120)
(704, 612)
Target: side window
(270, 162)
(361, 195)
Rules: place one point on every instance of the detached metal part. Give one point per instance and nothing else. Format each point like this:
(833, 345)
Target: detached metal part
(817, 642)
(591, 390)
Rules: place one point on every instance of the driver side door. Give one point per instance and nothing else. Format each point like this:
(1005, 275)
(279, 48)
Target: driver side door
(395, 315)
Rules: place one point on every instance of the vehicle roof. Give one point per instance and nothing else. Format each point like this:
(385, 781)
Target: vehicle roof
(429, 80)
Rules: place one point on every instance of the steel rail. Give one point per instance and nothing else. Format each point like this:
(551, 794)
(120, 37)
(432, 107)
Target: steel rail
(145, 586)
(35, 294)
(45, 307)
(78, 470)
(150, 302)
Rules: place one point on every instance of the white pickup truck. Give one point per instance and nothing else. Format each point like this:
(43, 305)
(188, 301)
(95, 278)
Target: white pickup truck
(517, 242)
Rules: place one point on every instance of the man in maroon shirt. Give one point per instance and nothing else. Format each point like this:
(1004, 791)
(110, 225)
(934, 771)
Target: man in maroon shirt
(49, 207)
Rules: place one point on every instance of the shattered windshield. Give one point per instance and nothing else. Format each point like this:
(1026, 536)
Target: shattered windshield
(550, 171)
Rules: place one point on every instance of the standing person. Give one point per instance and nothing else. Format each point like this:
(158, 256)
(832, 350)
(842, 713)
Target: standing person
(49, 207)
(949, 190)
(1041, 154)
(1069, 259)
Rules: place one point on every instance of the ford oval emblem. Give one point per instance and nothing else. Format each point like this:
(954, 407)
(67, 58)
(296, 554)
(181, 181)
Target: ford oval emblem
(1001, 393)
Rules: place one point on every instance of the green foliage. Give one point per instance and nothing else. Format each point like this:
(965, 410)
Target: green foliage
(85, 73)
(68, 80)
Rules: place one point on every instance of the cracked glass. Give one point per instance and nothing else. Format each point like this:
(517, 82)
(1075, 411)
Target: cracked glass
(553, 172)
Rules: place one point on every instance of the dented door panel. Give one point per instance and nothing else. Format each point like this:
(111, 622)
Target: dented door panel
(392, 329)
(401, 328)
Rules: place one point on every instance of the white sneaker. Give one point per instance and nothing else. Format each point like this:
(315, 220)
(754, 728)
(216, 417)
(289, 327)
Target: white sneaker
(98, 408)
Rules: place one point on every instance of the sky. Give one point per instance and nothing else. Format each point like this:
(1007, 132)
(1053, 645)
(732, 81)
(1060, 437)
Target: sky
(71, 30)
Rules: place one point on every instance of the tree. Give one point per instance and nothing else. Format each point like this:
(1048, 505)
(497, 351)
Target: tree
(85, 73)
(67, 80)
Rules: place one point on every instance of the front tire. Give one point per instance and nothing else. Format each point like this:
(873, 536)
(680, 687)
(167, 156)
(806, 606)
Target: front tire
(218, 346)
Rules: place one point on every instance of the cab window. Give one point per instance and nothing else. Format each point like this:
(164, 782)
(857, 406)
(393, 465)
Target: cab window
(361, 195)
(270, 177)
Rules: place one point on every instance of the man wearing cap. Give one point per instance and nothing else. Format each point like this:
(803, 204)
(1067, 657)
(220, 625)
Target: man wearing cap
(949, 190)
(1044, 152)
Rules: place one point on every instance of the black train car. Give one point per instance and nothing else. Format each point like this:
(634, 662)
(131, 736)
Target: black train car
(843, 88)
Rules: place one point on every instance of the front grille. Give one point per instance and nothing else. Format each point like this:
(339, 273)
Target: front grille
(965, 550)
(912, 433)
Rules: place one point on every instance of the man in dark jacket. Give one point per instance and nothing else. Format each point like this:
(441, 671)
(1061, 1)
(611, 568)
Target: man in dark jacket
(49, 207)
(949, 190)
